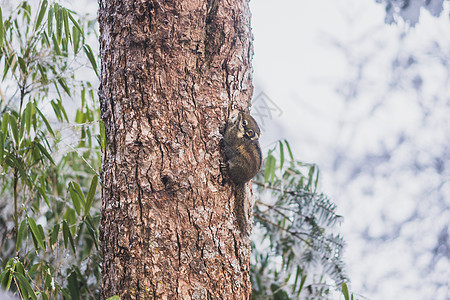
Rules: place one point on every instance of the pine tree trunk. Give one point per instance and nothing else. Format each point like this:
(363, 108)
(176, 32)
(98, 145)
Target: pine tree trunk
(172, 72)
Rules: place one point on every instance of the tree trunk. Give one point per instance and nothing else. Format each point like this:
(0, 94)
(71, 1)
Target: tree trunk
(172, 72)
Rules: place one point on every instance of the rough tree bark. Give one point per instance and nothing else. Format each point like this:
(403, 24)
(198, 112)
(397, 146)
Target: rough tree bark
(172, 72)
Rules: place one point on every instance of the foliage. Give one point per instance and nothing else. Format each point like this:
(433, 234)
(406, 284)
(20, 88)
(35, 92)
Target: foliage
(299, 253)
(49, 208)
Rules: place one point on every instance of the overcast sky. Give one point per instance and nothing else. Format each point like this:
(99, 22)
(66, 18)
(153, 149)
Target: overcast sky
(307, 50)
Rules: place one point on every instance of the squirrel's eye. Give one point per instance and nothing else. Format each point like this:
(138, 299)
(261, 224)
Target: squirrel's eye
(244, 122)
(250, 133)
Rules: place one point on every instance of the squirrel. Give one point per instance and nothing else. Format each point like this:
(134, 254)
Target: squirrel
(244, 159)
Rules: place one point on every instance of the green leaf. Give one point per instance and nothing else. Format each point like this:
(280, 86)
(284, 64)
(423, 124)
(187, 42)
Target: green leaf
(20, 234)
(59, 22)
(311, 172)
(74, 22)
(25, 287)
(36, 232)
(43, 72)
(28, 117)
(15, 131)
(34, 269)
(14, 163)
(50, 21)
(8, 63)
(45, 152)
(63, 110)
(2, 29)
(316, 182)
(47, 124)
(6, 278)
(115, 297)
(90, 55)
(54, 234)
(66, 24)
(345, 291)
(91, 230)
(5, 122)
(66, 233)
(270, 167)
(68, 236)
(281, 154)
(291, 156)
(42, 192)
(2, 148)
(76, 39)
(56, 45)
(56, 110)
(41, 14)
(91, 194)
(76, 198)
(22, 65)
(73, 286)
(63, 84)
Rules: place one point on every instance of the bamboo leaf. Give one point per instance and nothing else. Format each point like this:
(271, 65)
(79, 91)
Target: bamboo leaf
(2, 29)
(56, 45)
(44, 195)
(13, 125)
(68, 236)
(22, 65)
(66, 233)
(73, 286)
(90, 55)
(2, 148)
(50, 21)
(345, 291)
(8, 63)
(91, 194)
(269, 170)
(74, 22)
(63, 84)
(76, 39)
(312, 169)
(5, 122)
(56, 110)
(66, 24)
(77, 188)
(63, 110)
(54, 234)
(25, 287)
(45, 152)
(281, 155)
(20, 234)
(6, 278)
(92, 230)
(41, 14)
(36, 232)
(291, 156)
(47, 124)
(59, 22)
(28, 117)
(76, 199)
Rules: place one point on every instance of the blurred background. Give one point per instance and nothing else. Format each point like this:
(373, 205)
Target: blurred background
(369, 102)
